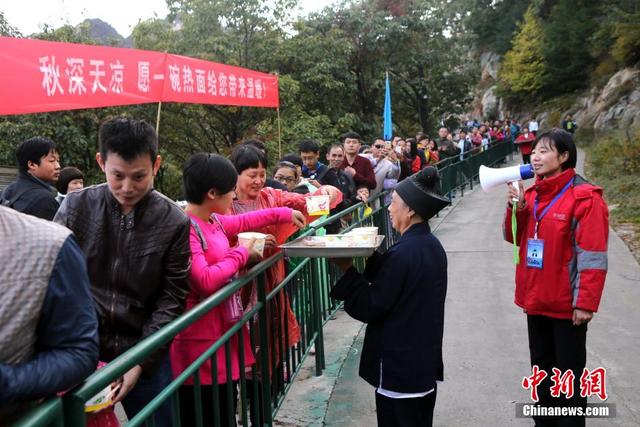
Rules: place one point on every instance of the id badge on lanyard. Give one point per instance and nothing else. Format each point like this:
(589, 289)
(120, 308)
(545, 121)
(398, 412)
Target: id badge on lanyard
(535, 246)
(535, 253)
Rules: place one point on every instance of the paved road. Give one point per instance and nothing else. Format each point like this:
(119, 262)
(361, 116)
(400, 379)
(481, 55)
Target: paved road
(485, 343)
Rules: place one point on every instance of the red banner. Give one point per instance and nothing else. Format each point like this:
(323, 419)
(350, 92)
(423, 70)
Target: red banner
(39, 76)
(204, 82)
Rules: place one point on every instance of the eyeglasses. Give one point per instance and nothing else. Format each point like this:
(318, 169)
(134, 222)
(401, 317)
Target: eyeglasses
(378, 146)
(284, 178)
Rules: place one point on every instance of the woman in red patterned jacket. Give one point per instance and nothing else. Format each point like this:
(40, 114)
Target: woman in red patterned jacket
(562, 231)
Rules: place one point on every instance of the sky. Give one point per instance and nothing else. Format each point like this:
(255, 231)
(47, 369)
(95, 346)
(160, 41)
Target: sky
(123, 15)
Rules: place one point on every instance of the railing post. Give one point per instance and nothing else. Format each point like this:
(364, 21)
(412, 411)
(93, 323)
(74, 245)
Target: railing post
(74, 411)
(264, 353)
(317, 315)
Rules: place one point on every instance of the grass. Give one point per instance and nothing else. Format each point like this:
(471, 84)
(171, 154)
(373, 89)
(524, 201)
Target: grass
(613, 162)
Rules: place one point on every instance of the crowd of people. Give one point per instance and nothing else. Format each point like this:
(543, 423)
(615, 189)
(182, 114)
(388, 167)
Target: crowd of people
(93, 271)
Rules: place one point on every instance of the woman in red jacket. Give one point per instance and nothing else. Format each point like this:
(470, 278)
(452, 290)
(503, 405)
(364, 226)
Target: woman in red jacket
(524, 141)
(562, 231)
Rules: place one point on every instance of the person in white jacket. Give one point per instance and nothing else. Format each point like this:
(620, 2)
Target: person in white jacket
(533, 126)
(386, 165)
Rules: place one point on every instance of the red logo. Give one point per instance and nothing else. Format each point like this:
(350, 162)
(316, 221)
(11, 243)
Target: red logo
(534, 381)
(562, 384)
(592, 383)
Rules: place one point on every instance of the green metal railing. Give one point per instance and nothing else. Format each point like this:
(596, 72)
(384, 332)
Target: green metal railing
(261, 389)
(263, 385)
(47, 414)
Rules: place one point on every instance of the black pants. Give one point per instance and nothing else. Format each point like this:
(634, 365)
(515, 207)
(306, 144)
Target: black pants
(526, 158)
(557, 343)
(188, 411)
(416, 412)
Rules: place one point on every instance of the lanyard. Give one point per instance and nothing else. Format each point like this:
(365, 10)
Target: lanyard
(545, 210)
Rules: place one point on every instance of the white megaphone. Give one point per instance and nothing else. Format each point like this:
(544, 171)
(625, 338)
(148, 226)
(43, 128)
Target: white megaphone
(493, 177)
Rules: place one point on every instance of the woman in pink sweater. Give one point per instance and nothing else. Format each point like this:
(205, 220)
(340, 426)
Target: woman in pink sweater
(209, 183)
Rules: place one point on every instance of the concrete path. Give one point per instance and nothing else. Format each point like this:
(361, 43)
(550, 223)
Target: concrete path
(485, 343)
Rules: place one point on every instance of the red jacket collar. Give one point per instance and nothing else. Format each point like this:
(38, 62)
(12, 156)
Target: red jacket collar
(546, 188)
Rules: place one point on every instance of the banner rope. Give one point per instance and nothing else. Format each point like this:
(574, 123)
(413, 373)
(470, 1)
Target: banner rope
(158, 118)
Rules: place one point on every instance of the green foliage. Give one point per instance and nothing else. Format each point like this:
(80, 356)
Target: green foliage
(616, 42)
(603, 71)
(561, 46)
(614, 163)
(523, 68)
(626, 49)
(7, 29)
(566, 51)
(331, 68)
(495, 22)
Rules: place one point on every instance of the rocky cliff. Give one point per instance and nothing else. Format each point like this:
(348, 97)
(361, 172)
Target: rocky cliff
(616, 105)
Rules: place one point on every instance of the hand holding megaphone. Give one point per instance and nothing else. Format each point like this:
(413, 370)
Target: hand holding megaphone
(516, 189)
(493, 177)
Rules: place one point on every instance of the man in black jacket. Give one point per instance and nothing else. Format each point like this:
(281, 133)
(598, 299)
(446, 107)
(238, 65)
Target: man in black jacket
(137, 246)
(32, 192)
(401, 295)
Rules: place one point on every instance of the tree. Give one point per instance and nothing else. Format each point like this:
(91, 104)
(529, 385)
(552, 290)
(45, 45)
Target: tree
(421, 43)
(568, 61)
(7, 29)
(331, 68)
(626, 31)
(438, 72)
(523, 68)
(494, 22)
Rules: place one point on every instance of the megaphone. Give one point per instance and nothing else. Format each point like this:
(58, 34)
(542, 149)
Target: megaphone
(493, 177)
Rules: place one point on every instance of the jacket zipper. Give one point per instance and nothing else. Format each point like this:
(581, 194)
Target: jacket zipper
(114, 276)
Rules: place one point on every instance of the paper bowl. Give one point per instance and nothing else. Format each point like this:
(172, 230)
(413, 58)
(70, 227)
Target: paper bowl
(258, 245)
(318, 205)
(369, 231)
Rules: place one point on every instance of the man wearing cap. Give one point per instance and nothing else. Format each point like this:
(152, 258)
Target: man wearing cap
(400, 295)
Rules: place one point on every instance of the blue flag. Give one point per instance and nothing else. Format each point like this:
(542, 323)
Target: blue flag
(387, 133)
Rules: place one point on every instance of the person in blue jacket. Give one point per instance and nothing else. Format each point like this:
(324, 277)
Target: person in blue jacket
(48, 323)
(400, 295)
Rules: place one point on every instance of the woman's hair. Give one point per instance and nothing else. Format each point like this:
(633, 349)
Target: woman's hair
(246, 157)
(363, 148)
(67, 175)
(204, 172)
(293, 158)
(414, 147)
(562, 141)
(288, 165)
